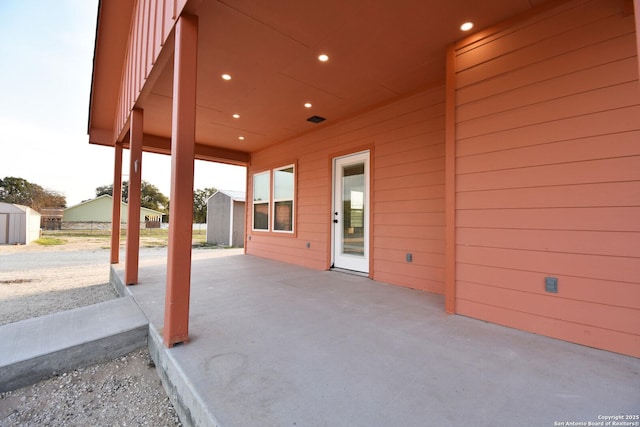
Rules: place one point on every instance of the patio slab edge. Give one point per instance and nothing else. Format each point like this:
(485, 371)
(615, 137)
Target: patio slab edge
(188, 404)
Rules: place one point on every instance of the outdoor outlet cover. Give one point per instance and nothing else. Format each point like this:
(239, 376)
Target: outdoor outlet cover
(551, 284)
(409, 257)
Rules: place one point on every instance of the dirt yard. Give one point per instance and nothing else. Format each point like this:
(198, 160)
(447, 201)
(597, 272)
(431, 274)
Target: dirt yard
(36, 280)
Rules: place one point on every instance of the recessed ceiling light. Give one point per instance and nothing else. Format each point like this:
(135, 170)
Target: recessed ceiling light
(236, 116)
(308, 105)
(323, 58)
(241, 138)
(226, 77)
(466, 26)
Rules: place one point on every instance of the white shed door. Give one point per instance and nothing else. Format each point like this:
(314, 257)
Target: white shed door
(4, 229)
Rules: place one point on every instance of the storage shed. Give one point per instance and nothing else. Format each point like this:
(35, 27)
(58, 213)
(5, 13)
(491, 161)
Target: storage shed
(225, 218)
(18, 224)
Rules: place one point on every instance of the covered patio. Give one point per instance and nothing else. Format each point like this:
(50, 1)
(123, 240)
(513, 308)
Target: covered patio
(275, 344)
(496, 166)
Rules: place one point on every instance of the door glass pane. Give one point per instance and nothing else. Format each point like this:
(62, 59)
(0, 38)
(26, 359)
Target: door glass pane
(353, 221)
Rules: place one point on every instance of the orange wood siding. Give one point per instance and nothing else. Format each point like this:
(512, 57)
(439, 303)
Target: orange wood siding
(151, 25)
(548, 176)
(407, 142)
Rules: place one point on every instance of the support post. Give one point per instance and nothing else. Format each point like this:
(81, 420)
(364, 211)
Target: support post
(135, 184)
(117, 203)
(176, 314)
(450, 184)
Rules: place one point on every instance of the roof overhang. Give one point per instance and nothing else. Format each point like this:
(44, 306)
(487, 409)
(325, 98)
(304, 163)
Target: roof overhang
(378, 52)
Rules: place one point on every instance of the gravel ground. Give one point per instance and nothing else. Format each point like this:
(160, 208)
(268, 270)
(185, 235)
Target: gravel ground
(126, 391)
(123, 392)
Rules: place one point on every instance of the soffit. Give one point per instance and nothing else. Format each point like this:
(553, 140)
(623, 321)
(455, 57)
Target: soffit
(110, 45)
(379, 50)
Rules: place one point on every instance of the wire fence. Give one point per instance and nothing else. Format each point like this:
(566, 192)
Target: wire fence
(97, 228)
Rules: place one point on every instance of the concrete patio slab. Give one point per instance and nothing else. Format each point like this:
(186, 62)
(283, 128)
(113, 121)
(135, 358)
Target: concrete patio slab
(33, 349)
(274, 344)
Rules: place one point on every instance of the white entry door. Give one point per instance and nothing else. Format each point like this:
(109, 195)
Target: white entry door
(351, 212)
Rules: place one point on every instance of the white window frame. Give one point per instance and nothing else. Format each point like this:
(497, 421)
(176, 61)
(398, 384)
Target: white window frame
(292, 200)
(261, 202)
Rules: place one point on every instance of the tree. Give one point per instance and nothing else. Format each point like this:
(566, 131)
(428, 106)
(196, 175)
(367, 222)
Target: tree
(150, 195)
(200, 204)
(108, 189)
(22, 192)
(152, 198)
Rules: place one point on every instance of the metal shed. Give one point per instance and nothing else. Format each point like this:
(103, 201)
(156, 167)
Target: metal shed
(18, 224)
(225, 218)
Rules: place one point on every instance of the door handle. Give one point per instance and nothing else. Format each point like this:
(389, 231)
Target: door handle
(336, 219)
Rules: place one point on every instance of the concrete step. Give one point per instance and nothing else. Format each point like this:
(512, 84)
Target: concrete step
(33, 349)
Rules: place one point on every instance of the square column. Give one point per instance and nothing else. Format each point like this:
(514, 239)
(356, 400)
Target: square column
(636, 10)
(135, 184)
(176, 307)
(117, 197)
(450, 184)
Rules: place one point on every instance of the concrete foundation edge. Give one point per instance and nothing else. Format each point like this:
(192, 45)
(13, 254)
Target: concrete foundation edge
(31, 371)
(117, 283)
(187, 402)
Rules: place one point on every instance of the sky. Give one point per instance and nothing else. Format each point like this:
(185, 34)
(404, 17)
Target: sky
(46, 54)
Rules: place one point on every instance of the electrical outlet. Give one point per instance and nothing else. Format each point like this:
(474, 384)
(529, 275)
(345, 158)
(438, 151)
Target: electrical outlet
(551, 284)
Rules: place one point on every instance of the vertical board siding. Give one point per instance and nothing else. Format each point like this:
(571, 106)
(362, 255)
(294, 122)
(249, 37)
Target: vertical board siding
(407, 142)
(548, 176)
(151, 24)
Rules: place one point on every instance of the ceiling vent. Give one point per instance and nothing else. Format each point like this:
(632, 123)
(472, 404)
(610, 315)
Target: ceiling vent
(316, 119)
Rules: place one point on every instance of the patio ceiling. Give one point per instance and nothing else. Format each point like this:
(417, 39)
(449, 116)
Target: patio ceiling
(378, 50)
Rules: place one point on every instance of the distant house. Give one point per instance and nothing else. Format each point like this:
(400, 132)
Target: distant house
(225, 218)
(18, 224)
(51, 218)
(99, 210)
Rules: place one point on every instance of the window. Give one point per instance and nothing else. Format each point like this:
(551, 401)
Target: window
(275, 189)
(261, 197)
(283, 191)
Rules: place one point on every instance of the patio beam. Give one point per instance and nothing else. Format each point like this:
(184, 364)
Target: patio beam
(183, 132)
(135, 184)
(161, 145)
(116, 206)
